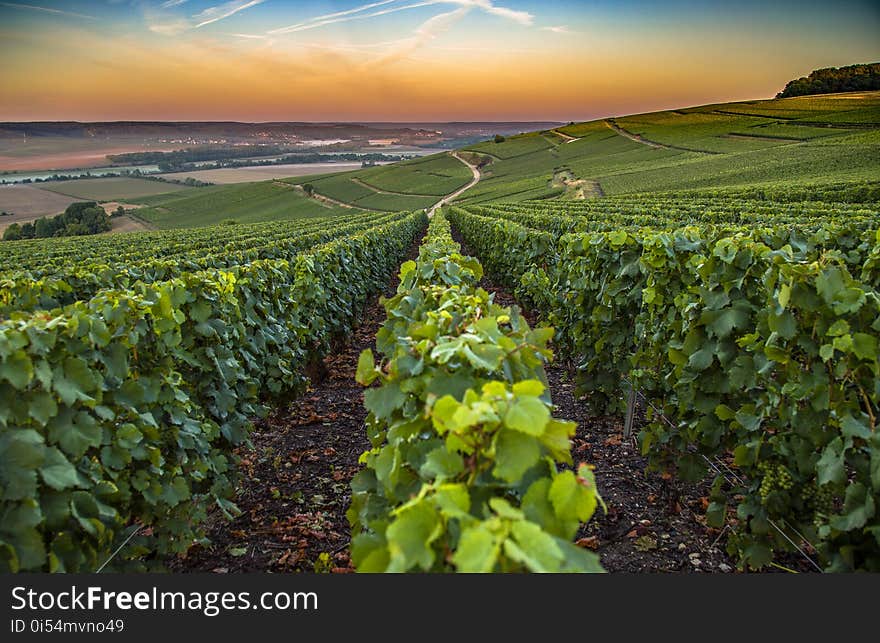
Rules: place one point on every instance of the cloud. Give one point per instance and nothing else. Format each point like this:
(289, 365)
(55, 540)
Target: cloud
(348, 12)
(363, 12)
(522, 17)
(347, 16)
(220, 12)
(16, 5)
(557, 29)
(167, 24)
(172, 27)
(424, 34)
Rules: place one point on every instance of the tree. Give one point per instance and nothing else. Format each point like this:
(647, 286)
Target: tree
(118, 212)
(499, 138)
(12, 233)
(45, 227)
(854, 78)
(309, 189)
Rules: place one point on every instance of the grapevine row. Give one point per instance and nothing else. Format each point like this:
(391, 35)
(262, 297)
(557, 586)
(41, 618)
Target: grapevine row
(763, 352)
(463, 474)
(30, 290)
(122, 411)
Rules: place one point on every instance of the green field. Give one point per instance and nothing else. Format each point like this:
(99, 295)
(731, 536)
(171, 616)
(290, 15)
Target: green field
(723, 261)
(407, 185)
(429, 175)
(112, 188)
(243, 202)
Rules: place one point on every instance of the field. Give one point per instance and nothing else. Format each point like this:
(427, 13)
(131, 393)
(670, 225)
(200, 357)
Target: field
(112, 188)
(795, 142)
(242, 202)
(27, 203)
(264, 173)
(418, 183)
(63, 153)
(677, 312)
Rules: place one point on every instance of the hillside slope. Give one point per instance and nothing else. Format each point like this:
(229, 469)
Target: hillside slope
(820, 144)
(797, 141)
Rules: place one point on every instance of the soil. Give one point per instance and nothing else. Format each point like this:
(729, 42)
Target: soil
(127, 224)
(294, 487)
(28, 203)
(653, 522)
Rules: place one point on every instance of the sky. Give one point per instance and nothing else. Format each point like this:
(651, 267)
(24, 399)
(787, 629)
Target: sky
(411, 60)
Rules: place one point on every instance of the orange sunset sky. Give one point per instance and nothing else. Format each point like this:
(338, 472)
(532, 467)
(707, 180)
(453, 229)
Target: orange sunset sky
(393, 60)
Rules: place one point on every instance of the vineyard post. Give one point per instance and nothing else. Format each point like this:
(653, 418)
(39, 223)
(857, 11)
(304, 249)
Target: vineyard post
(630, 411)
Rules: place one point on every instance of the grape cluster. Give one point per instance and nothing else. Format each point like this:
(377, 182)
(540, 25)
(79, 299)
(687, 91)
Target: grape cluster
(821, 499)
(774, 477)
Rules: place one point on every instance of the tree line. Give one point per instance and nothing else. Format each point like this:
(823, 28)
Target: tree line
(226, 157)
(854, 78)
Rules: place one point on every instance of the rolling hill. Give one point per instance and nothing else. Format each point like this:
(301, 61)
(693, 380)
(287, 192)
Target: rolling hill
(804, 141)
(821, 143)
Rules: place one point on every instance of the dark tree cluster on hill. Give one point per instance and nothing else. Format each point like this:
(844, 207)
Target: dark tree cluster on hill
(78, 219)
(854, 78)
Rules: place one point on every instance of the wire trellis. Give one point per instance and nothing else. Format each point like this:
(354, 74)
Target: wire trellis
(716, 464)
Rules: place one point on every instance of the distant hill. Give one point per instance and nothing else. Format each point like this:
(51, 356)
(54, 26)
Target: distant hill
(832, 80)
(234, 132)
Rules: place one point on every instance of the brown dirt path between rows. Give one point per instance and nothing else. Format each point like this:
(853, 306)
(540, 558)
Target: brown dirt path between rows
(294, 490)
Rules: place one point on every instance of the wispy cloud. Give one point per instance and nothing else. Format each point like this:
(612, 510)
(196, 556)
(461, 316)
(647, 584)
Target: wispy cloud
(365, 11)
(221, 12)
(522, 17)
(425, 33)
(557, 29)
(171, 24)
(347, 16)
(16, 5)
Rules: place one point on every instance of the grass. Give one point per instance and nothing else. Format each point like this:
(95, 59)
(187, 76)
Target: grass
(515, 146)
(408, 185)
(395, 202)
(243, 202)
(261, 173)
(112, 188)
(436, 175)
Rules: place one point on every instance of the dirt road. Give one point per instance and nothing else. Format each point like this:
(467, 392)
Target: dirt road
(638, 138)
(451, 197)
(568, 139)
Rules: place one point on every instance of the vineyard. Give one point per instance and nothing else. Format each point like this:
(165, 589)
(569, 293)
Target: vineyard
(748, 326)
(683, 305)
(122, 406)
(752, 330)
